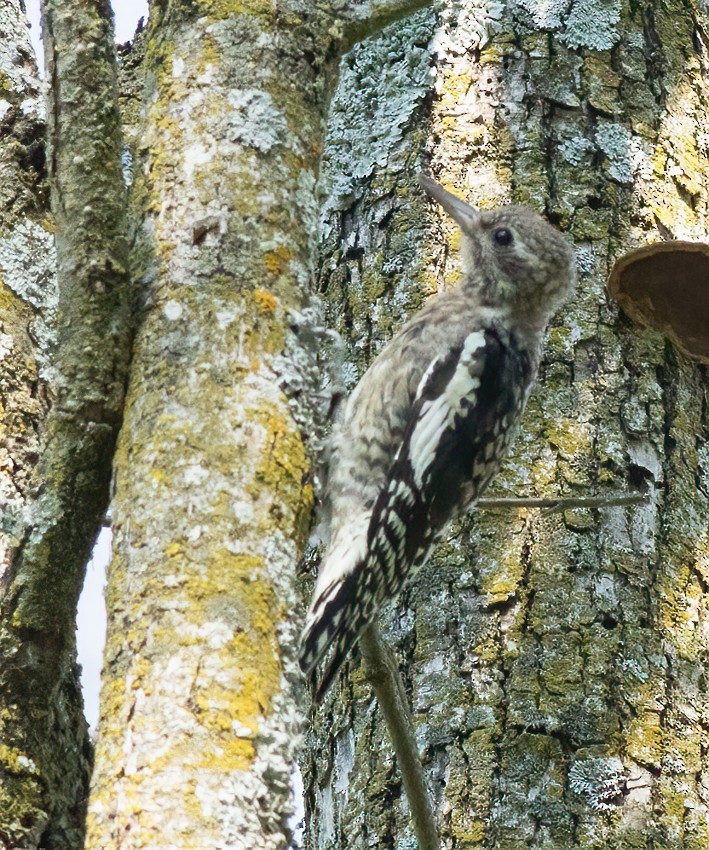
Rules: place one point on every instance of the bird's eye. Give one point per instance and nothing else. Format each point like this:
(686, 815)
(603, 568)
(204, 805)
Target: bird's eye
(502, 236)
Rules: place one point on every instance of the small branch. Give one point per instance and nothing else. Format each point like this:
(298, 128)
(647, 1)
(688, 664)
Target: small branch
(363, 19)
(383, 674)
(565, 503)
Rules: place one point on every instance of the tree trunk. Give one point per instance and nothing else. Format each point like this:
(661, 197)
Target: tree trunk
(201, 698)
(555, 663)
(65, 341)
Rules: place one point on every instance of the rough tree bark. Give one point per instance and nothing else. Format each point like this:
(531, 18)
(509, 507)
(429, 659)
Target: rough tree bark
(555, 663)
(27, 290)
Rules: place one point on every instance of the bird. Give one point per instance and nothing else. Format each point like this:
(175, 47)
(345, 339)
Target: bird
(429, 423)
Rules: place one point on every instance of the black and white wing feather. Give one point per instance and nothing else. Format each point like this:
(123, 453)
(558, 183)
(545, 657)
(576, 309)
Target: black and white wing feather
(460, 423)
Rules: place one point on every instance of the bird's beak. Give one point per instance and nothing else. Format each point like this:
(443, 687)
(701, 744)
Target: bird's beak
(457, 209)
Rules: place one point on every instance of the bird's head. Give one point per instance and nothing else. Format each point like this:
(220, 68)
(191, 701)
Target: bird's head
(513, 259)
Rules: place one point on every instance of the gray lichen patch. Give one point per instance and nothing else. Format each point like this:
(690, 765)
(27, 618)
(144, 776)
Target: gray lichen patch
(374, 276)
(468, 25)
(624, 152)
(592, 24)
(383, 83)
(28, 268)
(18, 71)
(546, 14)
(600, 782)
(255, 121)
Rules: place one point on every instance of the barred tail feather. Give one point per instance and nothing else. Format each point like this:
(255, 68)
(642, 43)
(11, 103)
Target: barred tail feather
(373, 573)
(337, 618)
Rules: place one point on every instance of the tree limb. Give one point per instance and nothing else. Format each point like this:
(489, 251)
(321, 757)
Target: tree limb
(383, 674)
(91, 357)
(40, 700)
(363, 19)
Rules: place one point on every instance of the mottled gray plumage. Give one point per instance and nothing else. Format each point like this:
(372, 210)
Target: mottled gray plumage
(429, 423)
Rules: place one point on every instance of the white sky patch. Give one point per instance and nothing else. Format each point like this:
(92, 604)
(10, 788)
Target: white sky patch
(296, 822)
(91, 626)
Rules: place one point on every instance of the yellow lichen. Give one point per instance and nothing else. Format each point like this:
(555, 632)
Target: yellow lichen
(265, 301)
(220, 9)
(283, 469)
(172, 550)
(276, 261)
(644, 737)
(15, 761)
(571, 438)
(501, 582)
(13, 305)
(469, 835)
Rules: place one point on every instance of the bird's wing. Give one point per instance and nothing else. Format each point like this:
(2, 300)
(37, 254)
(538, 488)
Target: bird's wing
(452, 445)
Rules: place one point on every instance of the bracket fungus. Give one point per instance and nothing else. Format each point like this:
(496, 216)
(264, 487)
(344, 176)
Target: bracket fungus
(666, 286)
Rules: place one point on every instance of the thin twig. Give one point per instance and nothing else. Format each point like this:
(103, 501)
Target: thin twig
(383, 674)
(554, 505)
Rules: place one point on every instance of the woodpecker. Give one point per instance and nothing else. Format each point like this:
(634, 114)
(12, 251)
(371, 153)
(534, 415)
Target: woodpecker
(429, 423)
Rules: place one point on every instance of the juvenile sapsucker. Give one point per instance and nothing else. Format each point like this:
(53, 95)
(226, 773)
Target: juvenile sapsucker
(428, 425)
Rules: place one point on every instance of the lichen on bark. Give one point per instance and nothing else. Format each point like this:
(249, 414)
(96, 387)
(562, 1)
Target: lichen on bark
(201, 695)
(70, 340)
(42, 762)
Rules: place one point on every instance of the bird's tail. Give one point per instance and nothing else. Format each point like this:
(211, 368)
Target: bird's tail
(338, 615)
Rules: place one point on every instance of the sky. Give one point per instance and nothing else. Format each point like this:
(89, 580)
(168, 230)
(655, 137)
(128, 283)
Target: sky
(91, 626)
(91, 613)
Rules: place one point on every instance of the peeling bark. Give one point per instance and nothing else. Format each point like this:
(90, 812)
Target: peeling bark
(555, 663)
